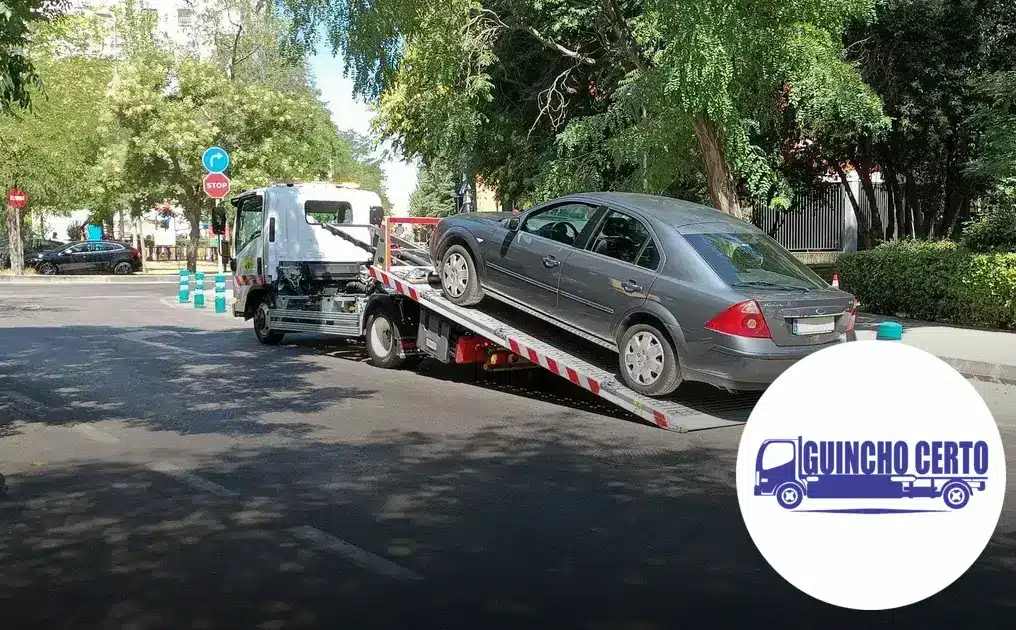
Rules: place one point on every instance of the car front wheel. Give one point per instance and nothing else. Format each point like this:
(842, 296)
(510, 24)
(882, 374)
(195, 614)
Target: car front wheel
(459, 281)
(648, 361)
(46, 269)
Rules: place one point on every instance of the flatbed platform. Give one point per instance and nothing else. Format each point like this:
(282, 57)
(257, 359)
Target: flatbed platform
(581, 362)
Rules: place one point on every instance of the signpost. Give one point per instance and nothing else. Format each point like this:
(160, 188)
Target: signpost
(216, 184)
(17, 198)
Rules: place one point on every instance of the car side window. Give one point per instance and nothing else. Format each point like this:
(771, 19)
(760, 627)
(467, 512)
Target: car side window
(625, 238)
(562, 223)
(79, 248)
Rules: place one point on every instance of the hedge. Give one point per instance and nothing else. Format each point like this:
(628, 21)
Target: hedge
(934, 281)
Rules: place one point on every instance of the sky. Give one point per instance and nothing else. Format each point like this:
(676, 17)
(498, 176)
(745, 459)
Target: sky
(352, 115)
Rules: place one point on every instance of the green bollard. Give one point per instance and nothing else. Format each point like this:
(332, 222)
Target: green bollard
(220, 293)
(889, 331)
(199, 290)
(184, 286)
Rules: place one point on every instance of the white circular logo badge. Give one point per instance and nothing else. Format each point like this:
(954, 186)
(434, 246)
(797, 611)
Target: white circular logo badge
(871, 475)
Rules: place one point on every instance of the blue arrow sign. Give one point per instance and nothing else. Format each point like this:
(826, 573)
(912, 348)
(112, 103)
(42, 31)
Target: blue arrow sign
(215, 160)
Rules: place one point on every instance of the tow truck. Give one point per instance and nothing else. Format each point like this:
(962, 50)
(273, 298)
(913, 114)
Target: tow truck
(779, 472)
(321, 257)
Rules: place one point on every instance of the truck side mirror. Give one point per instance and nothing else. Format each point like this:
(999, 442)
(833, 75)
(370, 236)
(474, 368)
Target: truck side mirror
(377, 215)
(218, 221)
(513, 224)
(232, 265)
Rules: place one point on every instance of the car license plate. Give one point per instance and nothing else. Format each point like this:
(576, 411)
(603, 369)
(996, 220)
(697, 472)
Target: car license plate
(814, 325)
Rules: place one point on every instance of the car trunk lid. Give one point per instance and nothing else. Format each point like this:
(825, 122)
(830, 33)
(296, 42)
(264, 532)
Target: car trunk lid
(796, 318)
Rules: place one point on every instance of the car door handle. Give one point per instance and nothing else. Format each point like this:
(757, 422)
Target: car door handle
(630, 286)
(550, 261)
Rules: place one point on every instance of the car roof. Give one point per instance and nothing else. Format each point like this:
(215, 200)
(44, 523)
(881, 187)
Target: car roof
(674, 212)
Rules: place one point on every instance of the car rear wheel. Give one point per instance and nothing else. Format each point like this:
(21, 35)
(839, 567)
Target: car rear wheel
(46, 269)
(459, 281)
(648, 361)
(123, 269)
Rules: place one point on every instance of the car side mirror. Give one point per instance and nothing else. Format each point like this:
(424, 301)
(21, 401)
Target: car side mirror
(513, 224)
(232, 264)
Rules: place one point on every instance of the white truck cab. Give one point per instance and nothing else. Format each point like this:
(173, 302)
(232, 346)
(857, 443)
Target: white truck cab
(284, 229)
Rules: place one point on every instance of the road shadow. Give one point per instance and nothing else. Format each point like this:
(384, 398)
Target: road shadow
(514, 527)
(217, 382)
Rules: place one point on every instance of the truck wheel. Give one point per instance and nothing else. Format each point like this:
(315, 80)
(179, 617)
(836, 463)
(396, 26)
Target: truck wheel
(648, 361)
(384, 343)
(459, 281)
(956, 494)
(265, 334)
(790, 495)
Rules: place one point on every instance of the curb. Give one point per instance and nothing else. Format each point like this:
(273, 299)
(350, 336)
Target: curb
(984, 371)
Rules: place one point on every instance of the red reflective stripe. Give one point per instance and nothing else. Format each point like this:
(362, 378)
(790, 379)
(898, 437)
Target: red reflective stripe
(594, 386)
(573, 377)
(535, 358)
(661, 420)
(398, 287)
(514, 345)
(552, 366)
(413, 293)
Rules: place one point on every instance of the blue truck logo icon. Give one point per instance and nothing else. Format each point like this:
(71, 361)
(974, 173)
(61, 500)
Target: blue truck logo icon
(795, 469)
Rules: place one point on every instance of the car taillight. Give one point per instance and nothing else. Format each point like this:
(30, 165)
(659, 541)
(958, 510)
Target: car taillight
(135, 252)
(744, 319)
(852, 319)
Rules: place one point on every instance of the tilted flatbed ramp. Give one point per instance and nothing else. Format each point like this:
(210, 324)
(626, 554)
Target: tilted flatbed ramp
(582, 367)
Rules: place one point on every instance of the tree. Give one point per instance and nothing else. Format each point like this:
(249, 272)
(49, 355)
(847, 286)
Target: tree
(650, 96)
(47, 149)
(17, 73)
(434, 195)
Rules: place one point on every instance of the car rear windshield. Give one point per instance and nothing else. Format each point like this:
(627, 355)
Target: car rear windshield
(746, 258)
(325, 211)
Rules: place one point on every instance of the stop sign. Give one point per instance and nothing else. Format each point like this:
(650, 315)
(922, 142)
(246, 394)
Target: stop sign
(17, 198)
(216, 185)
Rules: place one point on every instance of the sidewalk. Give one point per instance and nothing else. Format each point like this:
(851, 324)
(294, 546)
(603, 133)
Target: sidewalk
(988, 355)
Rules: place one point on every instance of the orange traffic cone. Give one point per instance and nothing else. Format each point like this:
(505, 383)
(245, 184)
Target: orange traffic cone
(836, 281)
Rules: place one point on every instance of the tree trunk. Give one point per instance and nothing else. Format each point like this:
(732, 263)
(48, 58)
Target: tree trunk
(863, 166)
(897, 204)
(15, 250)
(913, 203)
(721, 186)
(193, 214)
(863, 230)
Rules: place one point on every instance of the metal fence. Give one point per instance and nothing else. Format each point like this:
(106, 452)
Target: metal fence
(813, 223)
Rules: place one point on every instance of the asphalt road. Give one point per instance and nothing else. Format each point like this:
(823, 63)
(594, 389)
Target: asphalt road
(166, 471)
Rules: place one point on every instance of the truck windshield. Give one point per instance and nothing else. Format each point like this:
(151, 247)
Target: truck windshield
(745, 258)
(321, 211)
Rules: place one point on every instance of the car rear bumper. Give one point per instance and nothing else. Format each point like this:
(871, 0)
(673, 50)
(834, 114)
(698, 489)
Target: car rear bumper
(747, 365)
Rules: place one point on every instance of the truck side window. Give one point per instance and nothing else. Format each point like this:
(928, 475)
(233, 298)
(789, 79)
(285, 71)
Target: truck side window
(249, 222)
(777, 454)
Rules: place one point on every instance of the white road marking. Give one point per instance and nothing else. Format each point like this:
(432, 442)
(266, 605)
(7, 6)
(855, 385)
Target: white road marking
(352, 553)
(192, 480)
(94, 434)
(164, 346)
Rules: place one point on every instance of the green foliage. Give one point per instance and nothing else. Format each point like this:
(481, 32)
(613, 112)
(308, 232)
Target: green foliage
(434, 195)
(934, 281)
(994, 228)
(18, 76)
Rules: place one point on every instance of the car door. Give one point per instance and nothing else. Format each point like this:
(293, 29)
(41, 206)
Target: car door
(73, 259)
(108, 255)
(525, 264)
(93, 258)
(611, 275)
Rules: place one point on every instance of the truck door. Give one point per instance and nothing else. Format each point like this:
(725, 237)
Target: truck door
(248, 245)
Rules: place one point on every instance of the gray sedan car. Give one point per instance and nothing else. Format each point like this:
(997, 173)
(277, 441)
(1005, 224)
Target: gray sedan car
(680, 291)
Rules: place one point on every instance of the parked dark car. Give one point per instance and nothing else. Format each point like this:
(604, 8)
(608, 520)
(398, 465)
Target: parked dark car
(87, 257)
(29, 248)
(680, 291)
